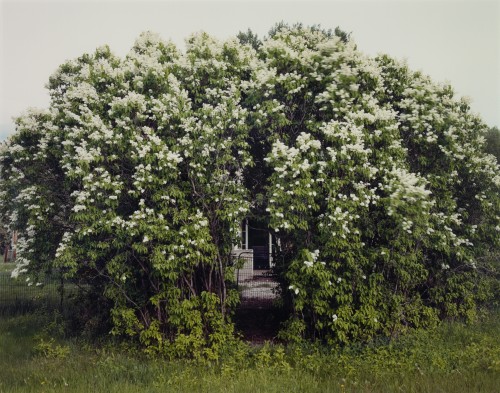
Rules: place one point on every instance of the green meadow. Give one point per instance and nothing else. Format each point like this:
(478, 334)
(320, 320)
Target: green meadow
(39, 353)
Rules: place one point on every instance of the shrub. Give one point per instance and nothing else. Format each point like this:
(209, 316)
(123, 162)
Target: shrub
(372, 177)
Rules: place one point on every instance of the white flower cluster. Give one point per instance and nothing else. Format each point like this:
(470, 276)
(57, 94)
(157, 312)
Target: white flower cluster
(350, 137)
(407, 186)
(314, 258)
(23, 257)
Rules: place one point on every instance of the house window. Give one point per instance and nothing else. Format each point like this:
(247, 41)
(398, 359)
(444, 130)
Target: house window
(244, 235)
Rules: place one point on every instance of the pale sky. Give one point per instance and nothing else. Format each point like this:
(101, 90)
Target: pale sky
(450, 40)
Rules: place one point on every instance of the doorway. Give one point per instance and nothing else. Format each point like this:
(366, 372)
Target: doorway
(259, 241)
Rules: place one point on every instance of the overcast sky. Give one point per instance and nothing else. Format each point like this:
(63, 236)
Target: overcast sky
(454, 41)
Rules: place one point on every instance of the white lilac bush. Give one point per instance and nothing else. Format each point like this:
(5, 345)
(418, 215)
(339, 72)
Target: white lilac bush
(136, 179)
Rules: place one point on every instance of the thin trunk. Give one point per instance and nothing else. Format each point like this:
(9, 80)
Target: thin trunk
(222, 291)
(190, 285)
(209, 287)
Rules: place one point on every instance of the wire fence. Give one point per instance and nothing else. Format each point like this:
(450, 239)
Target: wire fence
(19, 295)
(254, 285)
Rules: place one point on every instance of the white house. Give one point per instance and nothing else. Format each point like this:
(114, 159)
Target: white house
(256, 248)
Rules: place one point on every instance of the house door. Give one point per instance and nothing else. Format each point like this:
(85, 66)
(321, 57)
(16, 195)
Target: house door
(258, 241)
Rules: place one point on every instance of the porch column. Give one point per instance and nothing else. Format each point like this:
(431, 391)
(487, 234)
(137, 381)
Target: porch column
(271, 264)
(246, 234)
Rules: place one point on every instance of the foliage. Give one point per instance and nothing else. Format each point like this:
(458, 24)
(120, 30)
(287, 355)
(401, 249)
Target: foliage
(250, 38)
(139, 184)
(136, 179)
(492, 144)
(49, 349)
(380, 195)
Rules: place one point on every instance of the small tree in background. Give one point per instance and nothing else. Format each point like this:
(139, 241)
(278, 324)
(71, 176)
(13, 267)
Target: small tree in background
(136, 179)
(492, 144)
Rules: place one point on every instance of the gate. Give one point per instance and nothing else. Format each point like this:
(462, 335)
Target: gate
(254, 285)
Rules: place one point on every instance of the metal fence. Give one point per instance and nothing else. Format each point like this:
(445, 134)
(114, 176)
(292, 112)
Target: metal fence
(253, 284)
(20, 294)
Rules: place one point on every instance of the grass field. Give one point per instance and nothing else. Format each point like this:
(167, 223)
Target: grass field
(37, 355)
(7, 267)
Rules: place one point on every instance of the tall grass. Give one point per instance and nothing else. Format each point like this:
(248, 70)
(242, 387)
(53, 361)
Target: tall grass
(39, 354)
(451, 358)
